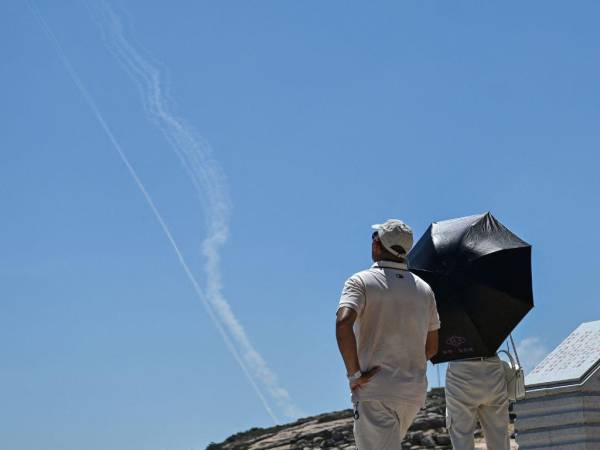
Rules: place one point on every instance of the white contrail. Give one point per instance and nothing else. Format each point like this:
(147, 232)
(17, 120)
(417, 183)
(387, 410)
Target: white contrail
(208, 180)
(92, 104)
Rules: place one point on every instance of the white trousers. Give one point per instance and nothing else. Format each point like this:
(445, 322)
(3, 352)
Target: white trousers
(477, 389)
(381, 425)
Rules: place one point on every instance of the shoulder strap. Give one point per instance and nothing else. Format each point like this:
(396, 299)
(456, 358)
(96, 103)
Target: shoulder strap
(510, 357)
(515, 349)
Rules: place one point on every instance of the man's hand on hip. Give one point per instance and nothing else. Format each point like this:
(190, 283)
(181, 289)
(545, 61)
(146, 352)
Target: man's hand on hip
(364, 378)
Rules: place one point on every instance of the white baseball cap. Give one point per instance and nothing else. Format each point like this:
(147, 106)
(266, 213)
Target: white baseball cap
(392, 233)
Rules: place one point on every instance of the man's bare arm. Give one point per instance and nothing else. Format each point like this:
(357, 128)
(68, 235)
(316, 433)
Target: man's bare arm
(431, 346)
(346, 340)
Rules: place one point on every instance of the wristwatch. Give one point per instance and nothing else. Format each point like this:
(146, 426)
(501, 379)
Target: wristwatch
(355, 376)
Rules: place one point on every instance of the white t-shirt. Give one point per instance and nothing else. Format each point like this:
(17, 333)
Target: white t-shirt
(396, 309)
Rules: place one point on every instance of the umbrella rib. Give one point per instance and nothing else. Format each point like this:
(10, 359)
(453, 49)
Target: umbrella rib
(478, 257)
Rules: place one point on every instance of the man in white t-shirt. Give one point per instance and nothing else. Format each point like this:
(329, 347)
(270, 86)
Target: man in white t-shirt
(386, 330)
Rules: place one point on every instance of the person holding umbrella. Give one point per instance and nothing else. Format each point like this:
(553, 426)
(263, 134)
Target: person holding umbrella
(476, 389)
(480, 272)
(386, 329)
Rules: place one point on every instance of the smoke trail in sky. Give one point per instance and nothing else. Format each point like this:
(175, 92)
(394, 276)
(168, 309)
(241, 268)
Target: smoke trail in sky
(207, 178)
(195, 156)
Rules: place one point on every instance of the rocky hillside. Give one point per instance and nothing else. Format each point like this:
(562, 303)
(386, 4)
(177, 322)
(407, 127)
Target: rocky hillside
(334, 431)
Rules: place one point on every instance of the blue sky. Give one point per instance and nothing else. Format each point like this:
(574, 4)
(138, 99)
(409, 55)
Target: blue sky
(325, 117)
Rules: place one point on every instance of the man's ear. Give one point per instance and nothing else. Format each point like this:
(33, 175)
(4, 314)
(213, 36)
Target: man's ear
(377, 244)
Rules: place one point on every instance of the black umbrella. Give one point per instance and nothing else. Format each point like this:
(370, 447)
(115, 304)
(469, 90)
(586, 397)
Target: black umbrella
(480, 273)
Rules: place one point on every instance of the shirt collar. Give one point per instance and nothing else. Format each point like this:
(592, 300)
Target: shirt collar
(389, 265)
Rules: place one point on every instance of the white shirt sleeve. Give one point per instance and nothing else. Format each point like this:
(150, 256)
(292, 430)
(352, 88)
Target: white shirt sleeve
(434, 318)
(353, 294)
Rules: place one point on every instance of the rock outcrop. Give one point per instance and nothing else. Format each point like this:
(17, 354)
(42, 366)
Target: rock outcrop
(334, 431)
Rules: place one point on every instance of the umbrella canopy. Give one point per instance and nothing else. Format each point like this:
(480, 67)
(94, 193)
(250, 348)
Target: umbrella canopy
(480, 273)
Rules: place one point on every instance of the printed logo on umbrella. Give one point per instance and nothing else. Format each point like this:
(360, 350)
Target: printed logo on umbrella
(456, 341)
